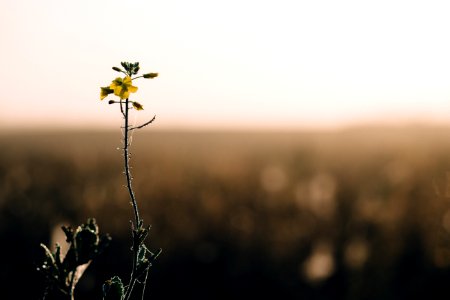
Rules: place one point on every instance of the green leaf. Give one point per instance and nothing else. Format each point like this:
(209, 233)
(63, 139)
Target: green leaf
(143, 262)
(49, 258)
(69, 233)
(91, 224)
(113, 289)
(85, 245)
(85, 242)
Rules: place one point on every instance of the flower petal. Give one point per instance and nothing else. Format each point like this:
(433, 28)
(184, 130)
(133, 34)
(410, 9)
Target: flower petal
(117, 90)
(127, 80)
(124, 94)
(105, 91)
(116, 82)
(132, 89)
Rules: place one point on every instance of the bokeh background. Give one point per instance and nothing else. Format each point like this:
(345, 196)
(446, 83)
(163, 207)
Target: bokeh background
(300, 150)
(353, 214)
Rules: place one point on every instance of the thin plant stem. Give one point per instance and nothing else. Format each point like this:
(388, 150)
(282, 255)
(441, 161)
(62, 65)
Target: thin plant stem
(145, 283)
(47, 288)
(143, 125)
(138, 221)
(121, 108)
(127, 166)
(72, 287)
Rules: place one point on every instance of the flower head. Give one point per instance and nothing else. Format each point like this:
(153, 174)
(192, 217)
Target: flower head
(122, 87)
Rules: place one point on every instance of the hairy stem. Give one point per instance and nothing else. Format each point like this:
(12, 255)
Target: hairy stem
(72, 286)
(126, 157)
(145, 283)
(138, 221)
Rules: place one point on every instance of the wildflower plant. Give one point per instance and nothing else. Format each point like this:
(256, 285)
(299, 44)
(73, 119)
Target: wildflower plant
(63, 271)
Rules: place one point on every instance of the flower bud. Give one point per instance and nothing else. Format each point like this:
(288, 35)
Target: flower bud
(150, 75)
(137, 106)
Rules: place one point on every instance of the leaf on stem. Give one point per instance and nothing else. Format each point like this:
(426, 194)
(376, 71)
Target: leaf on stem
(113, 289)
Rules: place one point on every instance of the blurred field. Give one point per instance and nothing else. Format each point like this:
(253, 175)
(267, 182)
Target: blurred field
(352, 214)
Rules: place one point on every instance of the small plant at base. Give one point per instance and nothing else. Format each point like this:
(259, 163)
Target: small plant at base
(85, 243)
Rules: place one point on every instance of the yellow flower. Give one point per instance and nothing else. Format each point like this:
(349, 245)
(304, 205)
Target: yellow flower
(105, 91)
(123, 87)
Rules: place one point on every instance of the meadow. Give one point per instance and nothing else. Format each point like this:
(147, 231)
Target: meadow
(360, 213)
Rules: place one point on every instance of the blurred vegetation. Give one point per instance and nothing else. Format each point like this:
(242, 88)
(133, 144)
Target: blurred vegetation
(353, 214)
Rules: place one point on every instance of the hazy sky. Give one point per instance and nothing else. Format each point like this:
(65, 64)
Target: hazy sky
(233, 63)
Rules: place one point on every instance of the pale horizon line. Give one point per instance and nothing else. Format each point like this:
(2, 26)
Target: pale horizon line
(5, 128)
